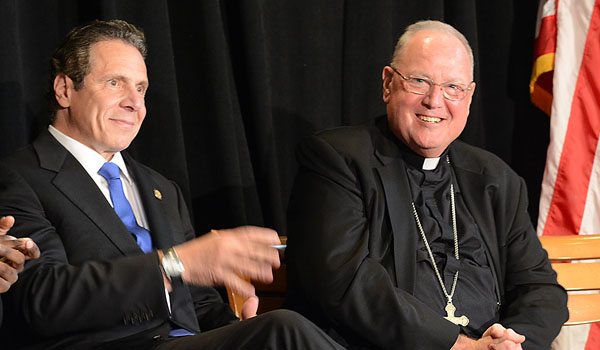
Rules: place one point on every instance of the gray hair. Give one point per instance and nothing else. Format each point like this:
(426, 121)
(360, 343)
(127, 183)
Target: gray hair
(414, 28)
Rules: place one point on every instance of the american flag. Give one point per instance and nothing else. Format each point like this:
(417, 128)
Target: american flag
(565, 83)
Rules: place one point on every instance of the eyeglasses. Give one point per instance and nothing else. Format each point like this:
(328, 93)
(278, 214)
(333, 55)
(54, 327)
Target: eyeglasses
(422, 86)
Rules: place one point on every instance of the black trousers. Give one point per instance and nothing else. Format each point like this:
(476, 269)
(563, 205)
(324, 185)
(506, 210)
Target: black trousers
(275, 330)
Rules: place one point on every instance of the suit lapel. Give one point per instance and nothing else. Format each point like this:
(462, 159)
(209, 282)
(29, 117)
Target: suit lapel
(392, 172)
(74, 182)
(151, 196)
(478, 197)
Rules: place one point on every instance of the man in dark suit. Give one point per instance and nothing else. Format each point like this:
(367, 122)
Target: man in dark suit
(13, 254)
(402, 237)
(120, 264)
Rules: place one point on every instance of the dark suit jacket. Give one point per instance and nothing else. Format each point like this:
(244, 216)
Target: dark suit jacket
(352, 243)
(93, 284)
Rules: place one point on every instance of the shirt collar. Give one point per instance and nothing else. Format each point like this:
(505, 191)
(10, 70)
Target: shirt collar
(91, 160)
(430, 163)
(418, 161)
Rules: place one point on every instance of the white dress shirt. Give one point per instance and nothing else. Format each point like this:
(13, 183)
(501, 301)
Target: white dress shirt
(92, 161)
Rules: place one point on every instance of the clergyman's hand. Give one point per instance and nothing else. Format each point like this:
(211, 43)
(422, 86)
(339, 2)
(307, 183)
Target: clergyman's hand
(496, 337)
(504, 338)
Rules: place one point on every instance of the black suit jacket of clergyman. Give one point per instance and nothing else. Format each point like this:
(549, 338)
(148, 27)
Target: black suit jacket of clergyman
(352, 243)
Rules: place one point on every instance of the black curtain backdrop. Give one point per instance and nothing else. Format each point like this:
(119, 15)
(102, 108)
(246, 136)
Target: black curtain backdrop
(235, 84)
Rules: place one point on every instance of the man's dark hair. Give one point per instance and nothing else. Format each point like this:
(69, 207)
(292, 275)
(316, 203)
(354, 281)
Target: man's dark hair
(72, 57)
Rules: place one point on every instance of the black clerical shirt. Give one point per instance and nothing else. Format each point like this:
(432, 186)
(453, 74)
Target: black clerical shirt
(476, 292)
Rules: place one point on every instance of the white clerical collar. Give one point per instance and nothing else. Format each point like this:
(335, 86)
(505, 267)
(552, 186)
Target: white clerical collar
(91, 160)
(430, 163)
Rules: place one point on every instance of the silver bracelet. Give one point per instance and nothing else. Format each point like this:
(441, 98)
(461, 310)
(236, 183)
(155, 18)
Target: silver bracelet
(172, 265)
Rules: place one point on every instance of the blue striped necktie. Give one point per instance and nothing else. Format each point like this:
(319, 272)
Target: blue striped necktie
(110, 171)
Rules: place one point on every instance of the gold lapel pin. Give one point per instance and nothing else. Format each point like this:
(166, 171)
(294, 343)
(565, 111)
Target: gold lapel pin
(157, 194)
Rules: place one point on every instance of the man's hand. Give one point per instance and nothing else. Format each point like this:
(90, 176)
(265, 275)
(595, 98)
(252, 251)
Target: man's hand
(504, 338)
(495, 338)
(231, 258)
(13, 253)
(250, 308)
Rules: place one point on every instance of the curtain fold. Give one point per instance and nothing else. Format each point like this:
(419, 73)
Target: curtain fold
(235, 85)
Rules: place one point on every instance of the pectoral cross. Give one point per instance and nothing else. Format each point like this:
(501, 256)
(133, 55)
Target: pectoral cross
(450, 309)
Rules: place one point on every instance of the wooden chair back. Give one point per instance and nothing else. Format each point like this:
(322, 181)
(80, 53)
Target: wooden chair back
(271, 296)
(581, 276)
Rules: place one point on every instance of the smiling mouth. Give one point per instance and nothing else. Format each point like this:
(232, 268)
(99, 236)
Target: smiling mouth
(429, 119)
(123, 122)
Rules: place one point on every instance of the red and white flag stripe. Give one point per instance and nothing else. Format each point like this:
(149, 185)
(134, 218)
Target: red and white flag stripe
(570, 198)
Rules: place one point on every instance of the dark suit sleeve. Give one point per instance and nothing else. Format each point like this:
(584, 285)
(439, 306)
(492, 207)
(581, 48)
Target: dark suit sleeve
(56, 297)
(535, 305)
(330, 230)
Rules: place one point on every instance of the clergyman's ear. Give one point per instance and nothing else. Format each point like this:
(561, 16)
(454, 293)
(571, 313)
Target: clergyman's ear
(386, 77)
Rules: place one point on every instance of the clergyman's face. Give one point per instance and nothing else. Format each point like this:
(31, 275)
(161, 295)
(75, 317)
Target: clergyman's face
(428, 123)
(107, 113)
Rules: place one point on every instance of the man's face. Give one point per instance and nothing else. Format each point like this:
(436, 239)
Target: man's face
(107, 113)
(428, 123)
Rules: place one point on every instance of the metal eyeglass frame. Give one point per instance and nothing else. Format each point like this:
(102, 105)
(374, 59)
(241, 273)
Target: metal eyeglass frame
(431, 84)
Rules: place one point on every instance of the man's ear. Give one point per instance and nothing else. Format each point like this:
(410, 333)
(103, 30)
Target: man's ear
(386, 77)
(63, 89)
